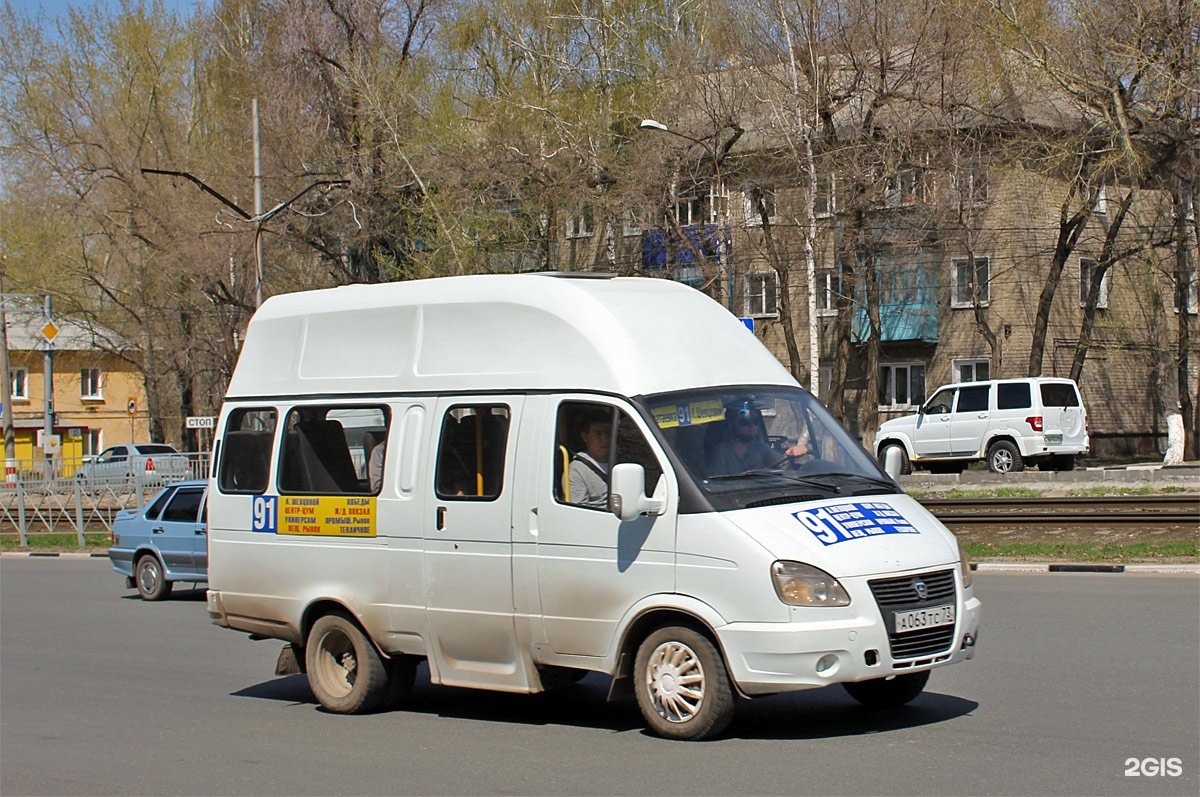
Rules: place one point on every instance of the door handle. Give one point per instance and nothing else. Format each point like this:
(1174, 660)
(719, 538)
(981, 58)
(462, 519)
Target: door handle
(158, 530)
(441, 518)
(201, 531)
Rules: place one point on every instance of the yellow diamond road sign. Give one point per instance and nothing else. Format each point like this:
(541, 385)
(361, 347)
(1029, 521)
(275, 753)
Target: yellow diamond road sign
(49, 331)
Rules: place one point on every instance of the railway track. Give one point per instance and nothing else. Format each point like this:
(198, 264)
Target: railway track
(1152, 510)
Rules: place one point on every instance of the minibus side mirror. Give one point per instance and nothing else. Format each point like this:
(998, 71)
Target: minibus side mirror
(626, 499)
(893, 462)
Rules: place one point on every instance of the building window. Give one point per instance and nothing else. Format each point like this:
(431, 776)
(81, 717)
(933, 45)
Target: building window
(91, 383)
(93, 442)
(581, 224)
(630, 224)
(901, 385)
(970, 182)
(1191, 292)
(972, 370)
(825, 201)
(825, 379)
(689, 210)
(827, 288)
(1101, 206)
(18, 386)
(907, 187)
(1087, 267)
(970, 284)
(751, 200)
(701, 206)
(762, 294)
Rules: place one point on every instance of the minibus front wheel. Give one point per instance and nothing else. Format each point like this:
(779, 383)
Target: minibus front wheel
(345, 672)
(681, 684)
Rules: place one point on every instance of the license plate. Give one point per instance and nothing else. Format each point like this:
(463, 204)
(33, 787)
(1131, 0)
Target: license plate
(924, 618)
(1053, 439)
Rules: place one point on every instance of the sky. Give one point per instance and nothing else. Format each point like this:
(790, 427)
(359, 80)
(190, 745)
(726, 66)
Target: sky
(56, 8)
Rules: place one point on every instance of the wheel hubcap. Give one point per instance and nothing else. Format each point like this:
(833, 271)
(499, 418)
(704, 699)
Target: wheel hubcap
(337, 663)
(675, 680)
(1002, 460)
(148, 573)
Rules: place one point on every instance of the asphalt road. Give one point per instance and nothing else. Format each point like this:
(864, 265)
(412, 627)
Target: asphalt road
(101, 693)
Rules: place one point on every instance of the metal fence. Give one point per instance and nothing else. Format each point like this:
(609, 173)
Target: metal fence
(32, 502)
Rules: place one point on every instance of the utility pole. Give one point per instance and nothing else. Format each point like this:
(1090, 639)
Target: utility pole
(258, 208)
(10, 443)
(726, 289)
(48, 331)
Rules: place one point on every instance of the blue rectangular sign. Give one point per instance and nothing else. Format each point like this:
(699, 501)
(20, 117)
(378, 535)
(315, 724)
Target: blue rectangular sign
(854, 521)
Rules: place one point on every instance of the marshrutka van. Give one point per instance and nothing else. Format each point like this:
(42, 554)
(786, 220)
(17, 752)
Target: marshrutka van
(521, 479)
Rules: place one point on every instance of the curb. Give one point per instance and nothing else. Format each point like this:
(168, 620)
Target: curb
(1042, 567)
(51, 555)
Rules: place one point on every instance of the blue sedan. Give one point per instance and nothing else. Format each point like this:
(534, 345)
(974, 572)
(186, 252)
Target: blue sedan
(163, 542)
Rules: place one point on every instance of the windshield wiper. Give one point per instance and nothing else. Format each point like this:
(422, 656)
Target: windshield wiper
(746, 474)
(885, 484)
(781, 474)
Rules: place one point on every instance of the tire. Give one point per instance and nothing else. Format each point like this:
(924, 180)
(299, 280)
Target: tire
(681, 685)
(401, 674)
(345, 672)
(888, 692)
(1003, 456)
(905, 463)
(150, 578)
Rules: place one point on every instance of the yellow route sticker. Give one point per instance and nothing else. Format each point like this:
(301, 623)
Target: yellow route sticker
(327, 516)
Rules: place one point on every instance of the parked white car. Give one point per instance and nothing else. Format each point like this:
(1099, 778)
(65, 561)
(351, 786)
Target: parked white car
(156, 462)
(1006, 422)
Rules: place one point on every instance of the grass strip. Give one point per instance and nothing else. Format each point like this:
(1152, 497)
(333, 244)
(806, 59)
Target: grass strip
(1182, 551)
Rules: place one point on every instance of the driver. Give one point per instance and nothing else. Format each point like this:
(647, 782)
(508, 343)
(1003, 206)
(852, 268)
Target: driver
(742, 448)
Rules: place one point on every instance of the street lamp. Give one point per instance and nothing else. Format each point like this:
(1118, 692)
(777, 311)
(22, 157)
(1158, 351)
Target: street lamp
(717, 195)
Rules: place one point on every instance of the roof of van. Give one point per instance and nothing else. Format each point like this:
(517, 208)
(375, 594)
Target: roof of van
(623, 335)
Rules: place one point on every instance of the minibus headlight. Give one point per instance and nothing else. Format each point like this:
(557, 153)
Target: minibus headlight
(963, 564)
(798, 584)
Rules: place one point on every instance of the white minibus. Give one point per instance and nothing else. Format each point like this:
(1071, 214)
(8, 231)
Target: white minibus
(521, 479)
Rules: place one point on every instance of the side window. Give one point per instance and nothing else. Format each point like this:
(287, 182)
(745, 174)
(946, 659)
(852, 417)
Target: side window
(973, 399)
(185, 506)
(471, 448)
(1013, 396)
(592, 437)
(1059, 395)
(941, 402)
(245, 453)
(324, 449)
(156, 508)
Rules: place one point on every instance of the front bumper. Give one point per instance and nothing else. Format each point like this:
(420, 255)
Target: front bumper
(766, 658)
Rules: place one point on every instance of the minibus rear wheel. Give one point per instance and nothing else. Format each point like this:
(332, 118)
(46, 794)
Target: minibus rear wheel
(681, 684)
(345, 672)
(888, 692)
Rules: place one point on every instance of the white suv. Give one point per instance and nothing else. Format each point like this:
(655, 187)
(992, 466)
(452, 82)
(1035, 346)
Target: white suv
(1007, 422)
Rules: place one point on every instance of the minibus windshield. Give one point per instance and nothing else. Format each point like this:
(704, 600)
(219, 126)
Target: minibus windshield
(756, 445)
